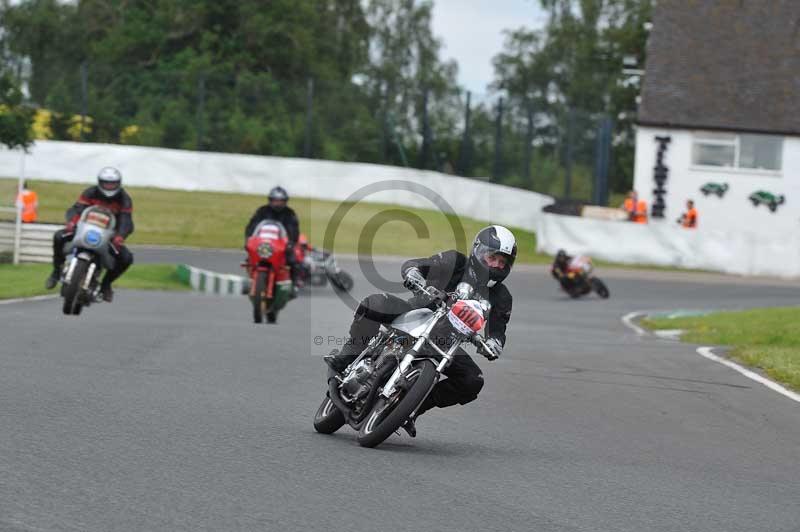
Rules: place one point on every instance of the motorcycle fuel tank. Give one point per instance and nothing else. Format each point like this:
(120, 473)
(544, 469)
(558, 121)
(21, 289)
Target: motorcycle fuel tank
(413, 322)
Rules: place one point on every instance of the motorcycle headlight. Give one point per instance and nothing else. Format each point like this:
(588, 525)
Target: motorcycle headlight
(264, 250)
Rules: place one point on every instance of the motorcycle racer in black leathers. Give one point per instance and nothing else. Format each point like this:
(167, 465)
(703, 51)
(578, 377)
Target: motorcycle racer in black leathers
(488, 264)
(277, 209)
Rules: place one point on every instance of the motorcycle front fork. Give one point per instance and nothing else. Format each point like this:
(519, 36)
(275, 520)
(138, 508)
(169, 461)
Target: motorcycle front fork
(412, 355)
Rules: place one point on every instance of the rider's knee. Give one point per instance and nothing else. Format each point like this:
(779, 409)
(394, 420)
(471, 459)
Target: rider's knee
(125, 256)
(470, 388)
(372, 303)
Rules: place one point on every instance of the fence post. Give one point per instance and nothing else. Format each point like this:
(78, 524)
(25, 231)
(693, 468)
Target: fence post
(84, 97)
(309, 118)
(200, 112)
(18, 205)
(602, 159)
(396, 140)
(497, 169)
(464, 149)
(569, 155)
(425, 149)
(526, 170)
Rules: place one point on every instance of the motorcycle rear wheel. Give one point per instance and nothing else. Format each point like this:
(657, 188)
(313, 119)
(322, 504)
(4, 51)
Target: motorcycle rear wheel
(72, 291)
(328, 418)
(380, 424)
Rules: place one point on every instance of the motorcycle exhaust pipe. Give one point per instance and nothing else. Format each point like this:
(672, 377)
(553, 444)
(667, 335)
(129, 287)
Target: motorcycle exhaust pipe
(333, 394)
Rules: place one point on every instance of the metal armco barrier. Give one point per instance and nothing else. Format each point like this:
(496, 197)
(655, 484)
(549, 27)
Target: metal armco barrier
(36, 243)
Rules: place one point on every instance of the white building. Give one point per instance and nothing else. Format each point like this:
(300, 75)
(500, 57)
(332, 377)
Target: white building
(722, 83)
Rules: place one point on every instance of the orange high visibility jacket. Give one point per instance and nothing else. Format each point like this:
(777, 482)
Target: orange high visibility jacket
(30, 205)
(637, 214)
(690, 218)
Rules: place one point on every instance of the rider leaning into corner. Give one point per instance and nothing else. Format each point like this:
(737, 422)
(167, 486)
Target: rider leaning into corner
(277, 209)
(560, 266)
(489, 263)
(110, 195)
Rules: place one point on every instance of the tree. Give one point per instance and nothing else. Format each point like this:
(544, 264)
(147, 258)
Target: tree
(15, 119)
(570, 74)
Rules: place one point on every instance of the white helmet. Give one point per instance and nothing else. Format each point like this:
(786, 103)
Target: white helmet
(109, 181)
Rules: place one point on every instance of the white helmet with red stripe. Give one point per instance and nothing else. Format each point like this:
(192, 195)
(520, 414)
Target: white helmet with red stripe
(109, 181)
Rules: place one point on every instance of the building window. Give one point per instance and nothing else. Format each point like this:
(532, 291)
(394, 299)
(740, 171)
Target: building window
(749, 152)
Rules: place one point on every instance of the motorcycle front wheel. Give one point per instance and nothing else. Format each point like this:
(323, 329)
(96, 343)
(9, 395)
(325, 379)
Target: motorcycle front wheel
(72, 291)
(259, 297)
(328, 418)
(600, 288)
(388, 415)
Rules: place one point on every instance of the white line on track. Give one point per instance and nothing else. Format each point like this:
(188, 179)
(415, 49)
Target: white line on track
(627, 319)
(708, 352)
(27, 299)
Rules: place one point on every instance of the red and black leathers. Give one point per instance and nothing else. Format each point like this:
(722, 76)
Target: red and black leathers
(122, 207)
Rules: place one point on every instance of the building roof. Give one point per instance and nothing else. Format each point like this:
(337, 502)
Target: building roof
(724, 64)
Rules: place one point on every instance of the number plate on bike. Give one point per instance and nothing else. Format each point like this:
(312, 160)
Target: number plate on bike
(466, 316)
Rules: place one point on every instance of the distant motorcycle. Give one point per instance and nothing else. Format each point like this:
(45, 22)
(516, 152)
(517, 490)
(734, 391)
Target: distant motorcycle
(317, 267)
(87, 256)
(579, 279)
(270, 279)
(390, 379)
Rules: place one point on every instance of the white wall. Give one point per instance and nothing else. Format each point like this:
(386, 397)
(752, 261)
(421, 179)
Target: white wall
(251, 174)
(734, 210)
(729, 251)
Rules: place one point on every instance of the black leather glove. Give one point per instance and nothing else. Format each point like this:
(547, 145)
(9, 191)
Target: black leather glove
(414, 280)
(493, 349)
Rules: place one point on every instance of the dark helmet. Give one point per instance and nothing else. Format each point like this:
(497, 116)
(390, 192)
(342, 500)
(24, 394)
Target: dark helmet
(561, 256)
(278, 195)
(492, 240)
(109, 181)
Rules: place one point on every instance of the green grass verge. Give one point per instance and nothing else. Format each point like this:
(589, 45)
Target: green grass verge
(767, 339)
(215, 219)
(27, 280)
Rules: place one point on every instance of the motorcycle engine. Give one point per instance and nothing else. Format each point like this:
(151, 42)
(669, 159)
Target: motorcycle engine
(355, 385)
(358, 383)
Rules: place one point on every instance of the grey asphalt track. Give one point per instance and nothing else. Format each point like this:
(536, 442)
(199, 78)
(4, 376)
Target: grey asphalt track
(174, 412)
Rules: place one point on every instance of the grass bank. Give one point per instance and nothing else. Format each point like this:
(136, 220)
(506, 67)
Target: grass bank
(765, 339)
(27, 280)
(216, 219)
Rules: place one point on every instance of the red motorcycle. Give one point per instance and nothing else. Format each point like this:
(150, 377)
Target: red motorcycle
(270, 278)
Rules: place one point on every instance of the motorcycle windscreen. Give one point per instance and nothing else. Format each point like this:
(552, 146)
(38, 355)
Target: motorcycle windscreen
(413, 322)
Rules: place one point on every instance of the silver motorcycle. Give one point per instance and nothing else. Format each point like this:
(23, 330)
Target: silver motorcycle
(87, 256)
(393, 375)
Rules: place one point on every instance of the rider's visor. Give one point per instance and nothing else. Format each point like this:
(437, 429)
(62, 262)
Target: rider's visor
(109, 185)
(492, 258)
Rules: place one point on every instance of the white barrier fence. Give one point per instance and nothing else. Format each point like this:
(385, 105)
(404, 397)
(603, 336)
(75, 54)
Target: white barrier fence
(735, 252)
(36, 241)
(76, 162)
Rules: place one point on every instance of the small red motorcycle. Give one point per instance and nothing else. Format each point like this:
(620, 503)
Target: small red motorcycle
(580, 280)
(270, 278)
